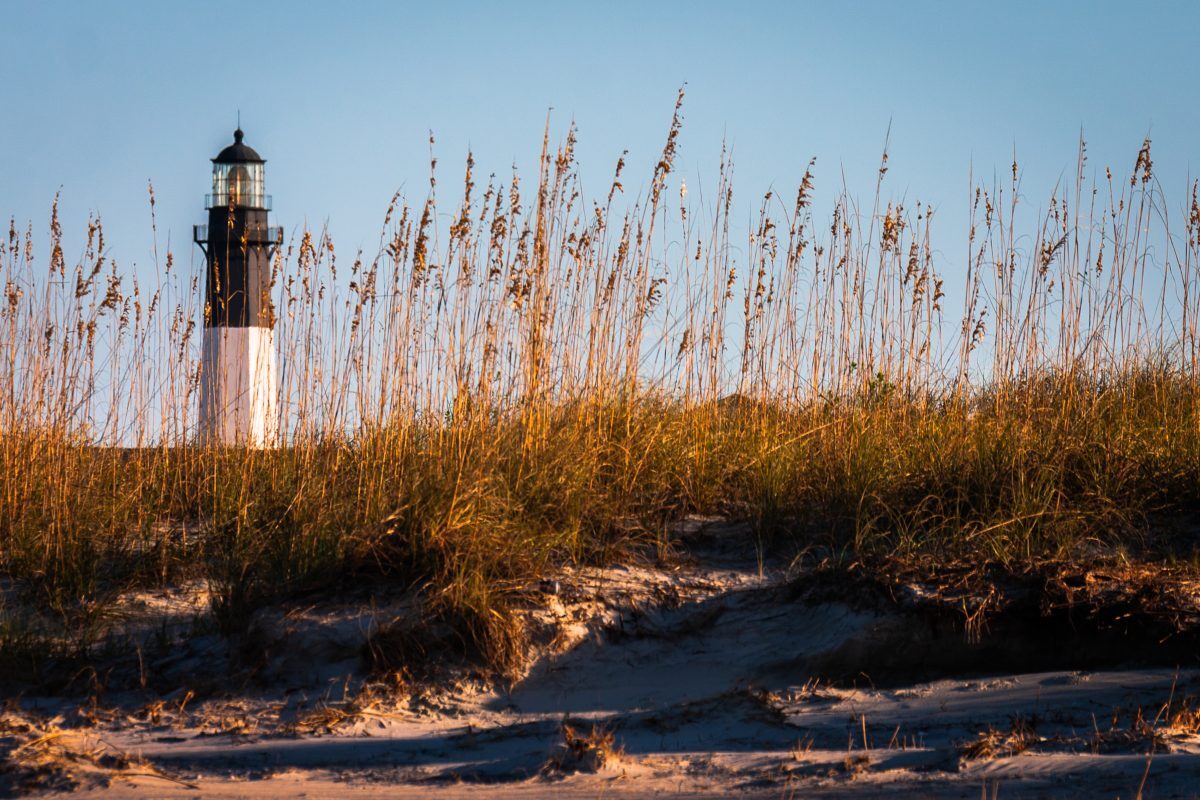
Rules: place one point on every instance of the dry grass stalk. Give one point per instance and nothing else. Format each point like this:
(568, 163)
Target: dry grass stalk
(45, 757)
(590, 752)
(993, 743)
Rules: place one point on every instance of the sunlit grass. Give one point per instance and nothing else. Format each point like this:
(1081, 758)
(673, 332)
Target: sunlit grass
(536, 379)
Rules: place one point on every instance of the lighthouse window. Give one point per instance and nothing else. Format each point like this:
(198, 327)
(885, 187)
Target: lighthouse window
(238, 185)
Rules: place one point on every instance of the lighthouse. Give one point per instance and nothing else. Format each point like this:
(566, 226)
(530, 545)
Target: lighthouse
(238, 384)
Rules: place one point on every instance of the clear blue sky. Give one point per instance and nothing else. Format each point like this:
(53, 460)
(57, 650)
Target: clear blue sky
(339, 97)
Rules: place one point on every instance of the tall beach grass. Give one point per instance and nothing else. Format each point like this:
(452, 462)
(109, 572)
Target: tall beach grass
(521, 376)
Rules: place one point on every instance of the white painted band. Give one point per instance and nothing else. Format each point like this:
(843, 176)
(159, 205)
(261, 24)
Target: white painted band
(238, 387)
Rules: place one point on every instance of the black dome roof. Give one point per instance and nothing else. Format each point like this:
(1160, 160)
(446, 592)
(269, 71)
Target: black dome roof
(238, 153)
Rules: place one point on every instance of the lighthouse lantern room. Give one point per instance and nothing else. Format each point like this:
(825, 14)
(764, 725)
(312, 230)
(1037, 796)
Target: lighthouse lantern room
(238, 389)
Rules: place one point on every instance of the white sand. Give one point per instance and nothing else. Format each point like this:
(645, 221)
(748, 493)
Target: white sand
(699, 673)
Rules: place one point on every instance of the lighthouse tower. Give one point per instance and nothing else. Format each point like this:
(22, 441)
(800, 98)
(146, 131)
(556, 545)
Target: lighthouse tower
(238, 389)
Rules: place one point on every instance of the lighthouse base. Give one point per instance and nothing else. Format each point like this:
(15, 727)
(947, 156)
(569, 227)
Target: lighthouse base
(238, 389)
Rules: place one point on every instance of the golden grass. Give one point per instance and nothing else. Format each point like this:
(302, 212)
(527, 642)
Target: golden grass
(549, 378)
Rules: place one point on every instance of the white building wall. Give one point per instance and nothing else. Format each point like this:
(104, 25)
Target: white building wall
(238, 387)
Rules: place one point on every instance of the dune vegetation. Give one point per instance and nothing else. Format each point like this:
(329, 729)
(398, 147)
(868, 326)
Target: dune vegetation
(521, 377)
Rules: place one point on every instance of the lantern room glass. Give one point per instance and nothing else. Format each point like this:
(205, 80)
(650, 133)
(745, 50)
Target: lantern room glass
(238, 185)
